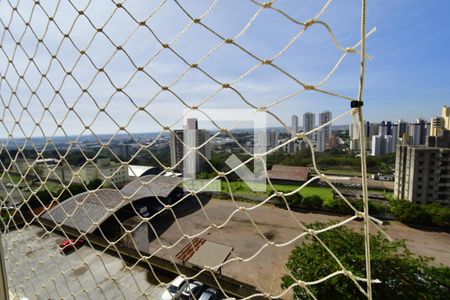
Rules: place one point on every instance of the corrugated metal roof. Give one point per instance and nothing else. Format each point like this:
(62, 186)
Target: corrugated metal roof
(86, 211)
(151, 186)
(291, 173)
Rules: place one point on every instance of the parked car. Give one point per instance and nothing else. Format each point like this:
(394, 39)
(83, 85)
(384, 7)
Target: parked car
(210, 294)
(175, 288)
(70, 245)
(192, 291)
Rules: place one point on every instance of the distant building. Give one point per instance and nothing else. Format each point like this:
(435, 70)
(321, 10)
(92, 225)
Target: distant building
(309, 123)
(385, 128)
(334, 142)
(353, 133)
(288, 173)
(402, 128)
(123, 150)
(439, 134)
(440, 124)
(323, 134)
(294, 122)
(265, 140)
(418, 132)
(382, 145)
(422, 174)
(182, 141)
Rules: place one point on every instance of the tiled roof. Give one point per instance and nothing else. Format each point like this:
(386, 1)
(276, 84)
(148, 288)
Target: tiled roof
(291, 173)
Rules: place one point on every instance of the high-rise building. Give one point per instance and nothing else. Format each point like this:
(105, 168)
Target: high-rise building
(422, 174)
(354, 137)
(446, 116)
(385, 128)
(437, 126)
(394, 134)
(402, 128)
(265, 140)
(323, 135)
(382, 145)
(294, 122)
(182, 141)
(309, 123)
(123, 150)
(418, 132)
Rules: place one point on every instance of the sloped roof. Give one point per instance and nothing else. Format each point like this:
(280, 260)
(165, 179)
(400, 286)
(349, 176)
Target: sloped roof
(151, 186)
(138, 170)
(86, 211)
(291, 173)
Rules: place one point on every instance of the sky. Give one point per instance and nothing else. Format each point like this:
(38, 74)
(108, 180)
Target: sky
(408, 75)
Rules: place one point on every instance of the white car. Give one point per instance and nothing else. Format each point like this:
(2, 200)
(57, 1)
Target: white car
(175, 288)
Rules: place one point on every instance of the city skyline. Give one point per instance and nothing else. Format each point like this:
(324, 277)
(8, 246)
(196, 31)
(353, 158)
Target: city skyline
(398, 79)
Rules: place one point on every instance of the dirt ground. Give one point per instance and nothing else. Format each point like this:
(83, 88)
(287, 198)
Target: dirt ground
(244, 232)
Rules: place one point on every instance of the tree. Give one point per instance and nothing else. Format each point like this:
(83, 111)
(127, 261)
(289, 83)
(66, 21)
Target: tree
(402, 274)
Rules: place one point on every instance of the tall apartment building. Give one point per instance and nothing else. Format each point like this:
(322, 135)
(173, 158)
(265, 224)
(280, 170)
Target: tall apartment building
(440, 124)
(265, 140)
(123, 150)
(354, 137)
(309, 123)
(294, 122)
(323, 135)
(191, 137)
(418, 132)
(382, 145)
(422, 174)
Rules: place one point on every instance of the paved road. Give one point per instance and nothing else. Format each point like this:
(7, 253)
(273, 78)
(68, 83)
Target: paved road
(37, 270)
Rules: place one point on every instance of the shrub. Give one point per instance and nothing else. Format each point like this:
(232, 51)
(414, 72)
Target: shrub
(312, 202)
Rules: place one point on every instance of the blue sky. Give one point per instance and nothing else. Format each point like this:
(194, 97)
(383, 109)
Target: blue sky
(408, 78)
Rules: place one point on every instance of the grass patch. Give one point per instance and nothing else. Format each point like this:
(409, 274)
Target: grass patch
(240, 187)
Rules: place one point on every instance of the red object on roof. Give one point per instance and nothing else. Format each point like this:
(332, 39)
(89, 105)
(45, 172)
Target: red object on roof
(291, 173)
(186, 253)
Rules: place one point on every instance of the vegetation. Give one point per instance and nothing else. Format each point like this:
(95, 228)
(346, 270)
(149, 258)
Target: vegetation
(402, 274)
(428, 214)
(46, 195)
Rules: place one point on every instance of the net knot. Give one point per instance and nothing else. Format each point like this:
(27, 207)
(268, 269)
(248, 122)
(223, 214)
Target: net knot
(300, 135)
(262, 108)
(309, 23)
(311, 232)
(196, 21)
(221, 174)
(228, 41)
(350, 50)
(267, 4)
(308, 87)
(267, 62)
(226, 85)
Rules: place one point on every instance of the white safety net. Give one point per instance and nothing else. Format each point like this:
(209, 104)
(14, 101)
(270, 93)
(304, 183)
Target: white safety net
(81, 80)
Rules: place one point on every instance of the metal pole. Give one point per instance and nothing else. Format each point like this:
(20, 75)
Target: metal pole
(4, 291)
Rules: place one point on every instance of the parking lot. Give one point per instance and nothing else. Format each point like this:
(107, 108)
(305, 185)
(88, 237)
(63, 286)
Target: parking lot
(37, 270)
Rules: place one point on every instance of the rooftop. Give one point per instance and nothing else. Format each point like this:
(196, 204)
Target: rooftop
(291, 173)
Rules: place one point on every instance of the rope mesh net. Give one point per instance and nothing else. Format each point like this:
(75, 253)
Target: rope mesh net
(71, 69)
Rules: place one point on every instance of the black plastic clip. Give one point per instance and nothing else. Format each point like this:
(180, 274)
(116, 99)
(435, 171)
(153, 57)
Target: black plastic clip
(355, 104)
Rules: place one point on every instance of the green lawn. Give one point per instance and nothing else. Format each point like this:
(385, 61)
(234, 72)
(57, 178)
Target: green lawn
(243, 189)
(10, 178)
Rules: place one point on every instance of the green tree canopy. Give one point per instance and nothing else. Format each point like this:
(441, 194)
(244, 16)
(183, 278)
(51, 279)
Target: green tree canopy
(402, 274)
